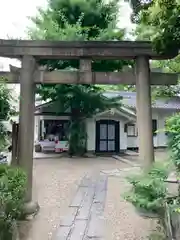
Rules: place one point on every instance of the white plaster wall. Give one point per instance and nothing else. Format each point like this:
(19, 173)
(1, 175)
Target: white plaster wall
(132, 142)
(36, 127)
(160, 140)
(162, 116)
(91, 134)
(91, 131)
(123, 135)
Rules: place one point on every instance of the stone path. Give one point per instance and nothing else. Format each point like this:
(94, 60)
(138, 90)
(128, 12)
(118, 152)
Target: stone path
(85, 218)
(55, 191)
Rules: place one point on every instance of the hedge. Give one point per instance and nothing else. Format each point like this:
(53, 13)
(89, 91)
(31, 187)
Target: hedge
(12, 193)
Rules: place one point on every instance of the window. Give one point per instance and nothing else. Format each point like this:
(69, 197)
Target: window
(125, 128)
(56, 129)
(131, 130)
(154, 127)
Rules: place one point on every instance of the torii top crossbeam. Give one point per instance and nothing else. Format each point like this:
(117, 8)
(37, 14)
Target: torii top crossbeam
(80, 49)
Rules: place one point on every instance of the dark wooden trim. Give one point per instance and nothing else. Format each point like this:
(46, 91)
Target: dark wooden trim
(117, 135)
(154, 127)
(40, 130)
(136, 148)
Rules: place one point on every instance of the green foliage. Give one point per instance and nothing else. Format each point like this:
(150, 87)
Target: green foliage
(84, 101)
(116, 87)
(6, 111)
(148, 190)
(3, 137)
(76, 20)
(149, 31)
(97, 14)
(5, 106)
(156, 235)
(173, 131)
(138, 6)
(49, 29)
(159, 233)
(159, 170)
(12, 192)
(174, 205)
(161, 16)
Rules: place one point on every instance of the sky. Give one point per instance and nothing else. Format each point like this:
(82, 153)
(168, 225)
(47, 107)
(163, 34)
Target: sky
(14, 21)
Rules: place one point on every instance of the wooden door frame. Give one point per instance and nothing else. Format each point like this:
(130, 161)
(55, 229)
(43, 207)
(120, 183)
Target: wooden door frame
(117, 135)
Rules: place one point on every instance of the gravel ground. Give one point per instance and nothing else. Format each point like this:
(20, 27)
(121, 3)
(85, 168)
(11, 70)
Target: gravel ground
(55, 183)
(122, 222)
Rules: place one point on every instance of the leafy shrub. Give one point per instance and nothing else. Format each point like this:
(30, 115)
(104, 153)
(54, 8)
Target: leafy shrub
(12, 192)
(149, 190)
(159, 170)
(173, 203)
(173, 133)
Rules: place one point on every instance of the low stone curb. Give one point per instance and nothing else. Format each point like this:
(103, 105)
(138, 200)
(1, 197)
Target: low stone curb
(126, 161)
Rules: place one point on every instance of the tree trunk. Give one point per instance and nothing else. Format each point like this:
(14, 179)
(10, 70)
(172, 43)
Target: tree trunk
(77, 134)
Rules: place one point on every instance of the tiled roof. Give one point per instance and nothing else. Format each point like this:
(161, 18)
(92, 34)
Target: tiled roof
(129, 99)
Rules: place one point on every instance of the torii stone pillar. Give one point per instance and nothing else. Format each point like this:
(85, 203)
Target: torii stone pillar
(144, 111)
(26, 126)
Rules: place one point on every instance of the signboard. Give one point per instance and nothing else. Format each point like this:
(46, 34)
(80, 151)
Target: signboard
(61, 146)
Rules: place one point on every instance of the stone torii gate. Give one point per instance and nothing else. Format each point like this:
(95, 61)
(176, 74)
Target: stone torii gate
(87, 51)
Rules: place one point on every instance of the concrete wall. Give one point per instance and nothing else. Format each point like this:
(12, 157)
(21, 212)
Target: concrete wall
(36, 127)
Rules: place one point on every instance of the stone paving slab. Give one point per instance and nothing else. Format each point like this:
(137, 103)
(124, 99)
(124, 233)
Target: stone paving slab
(95, 228)
(86, 181)
(85, 216)
(101, 189)
(93, 238)
(78, 231)
(84, 210)
(69, 219)
(77, 200)
(63, 233)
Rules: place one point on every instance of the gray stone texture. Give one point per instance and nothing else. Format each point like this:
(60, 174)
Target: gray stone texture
(85, 217)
